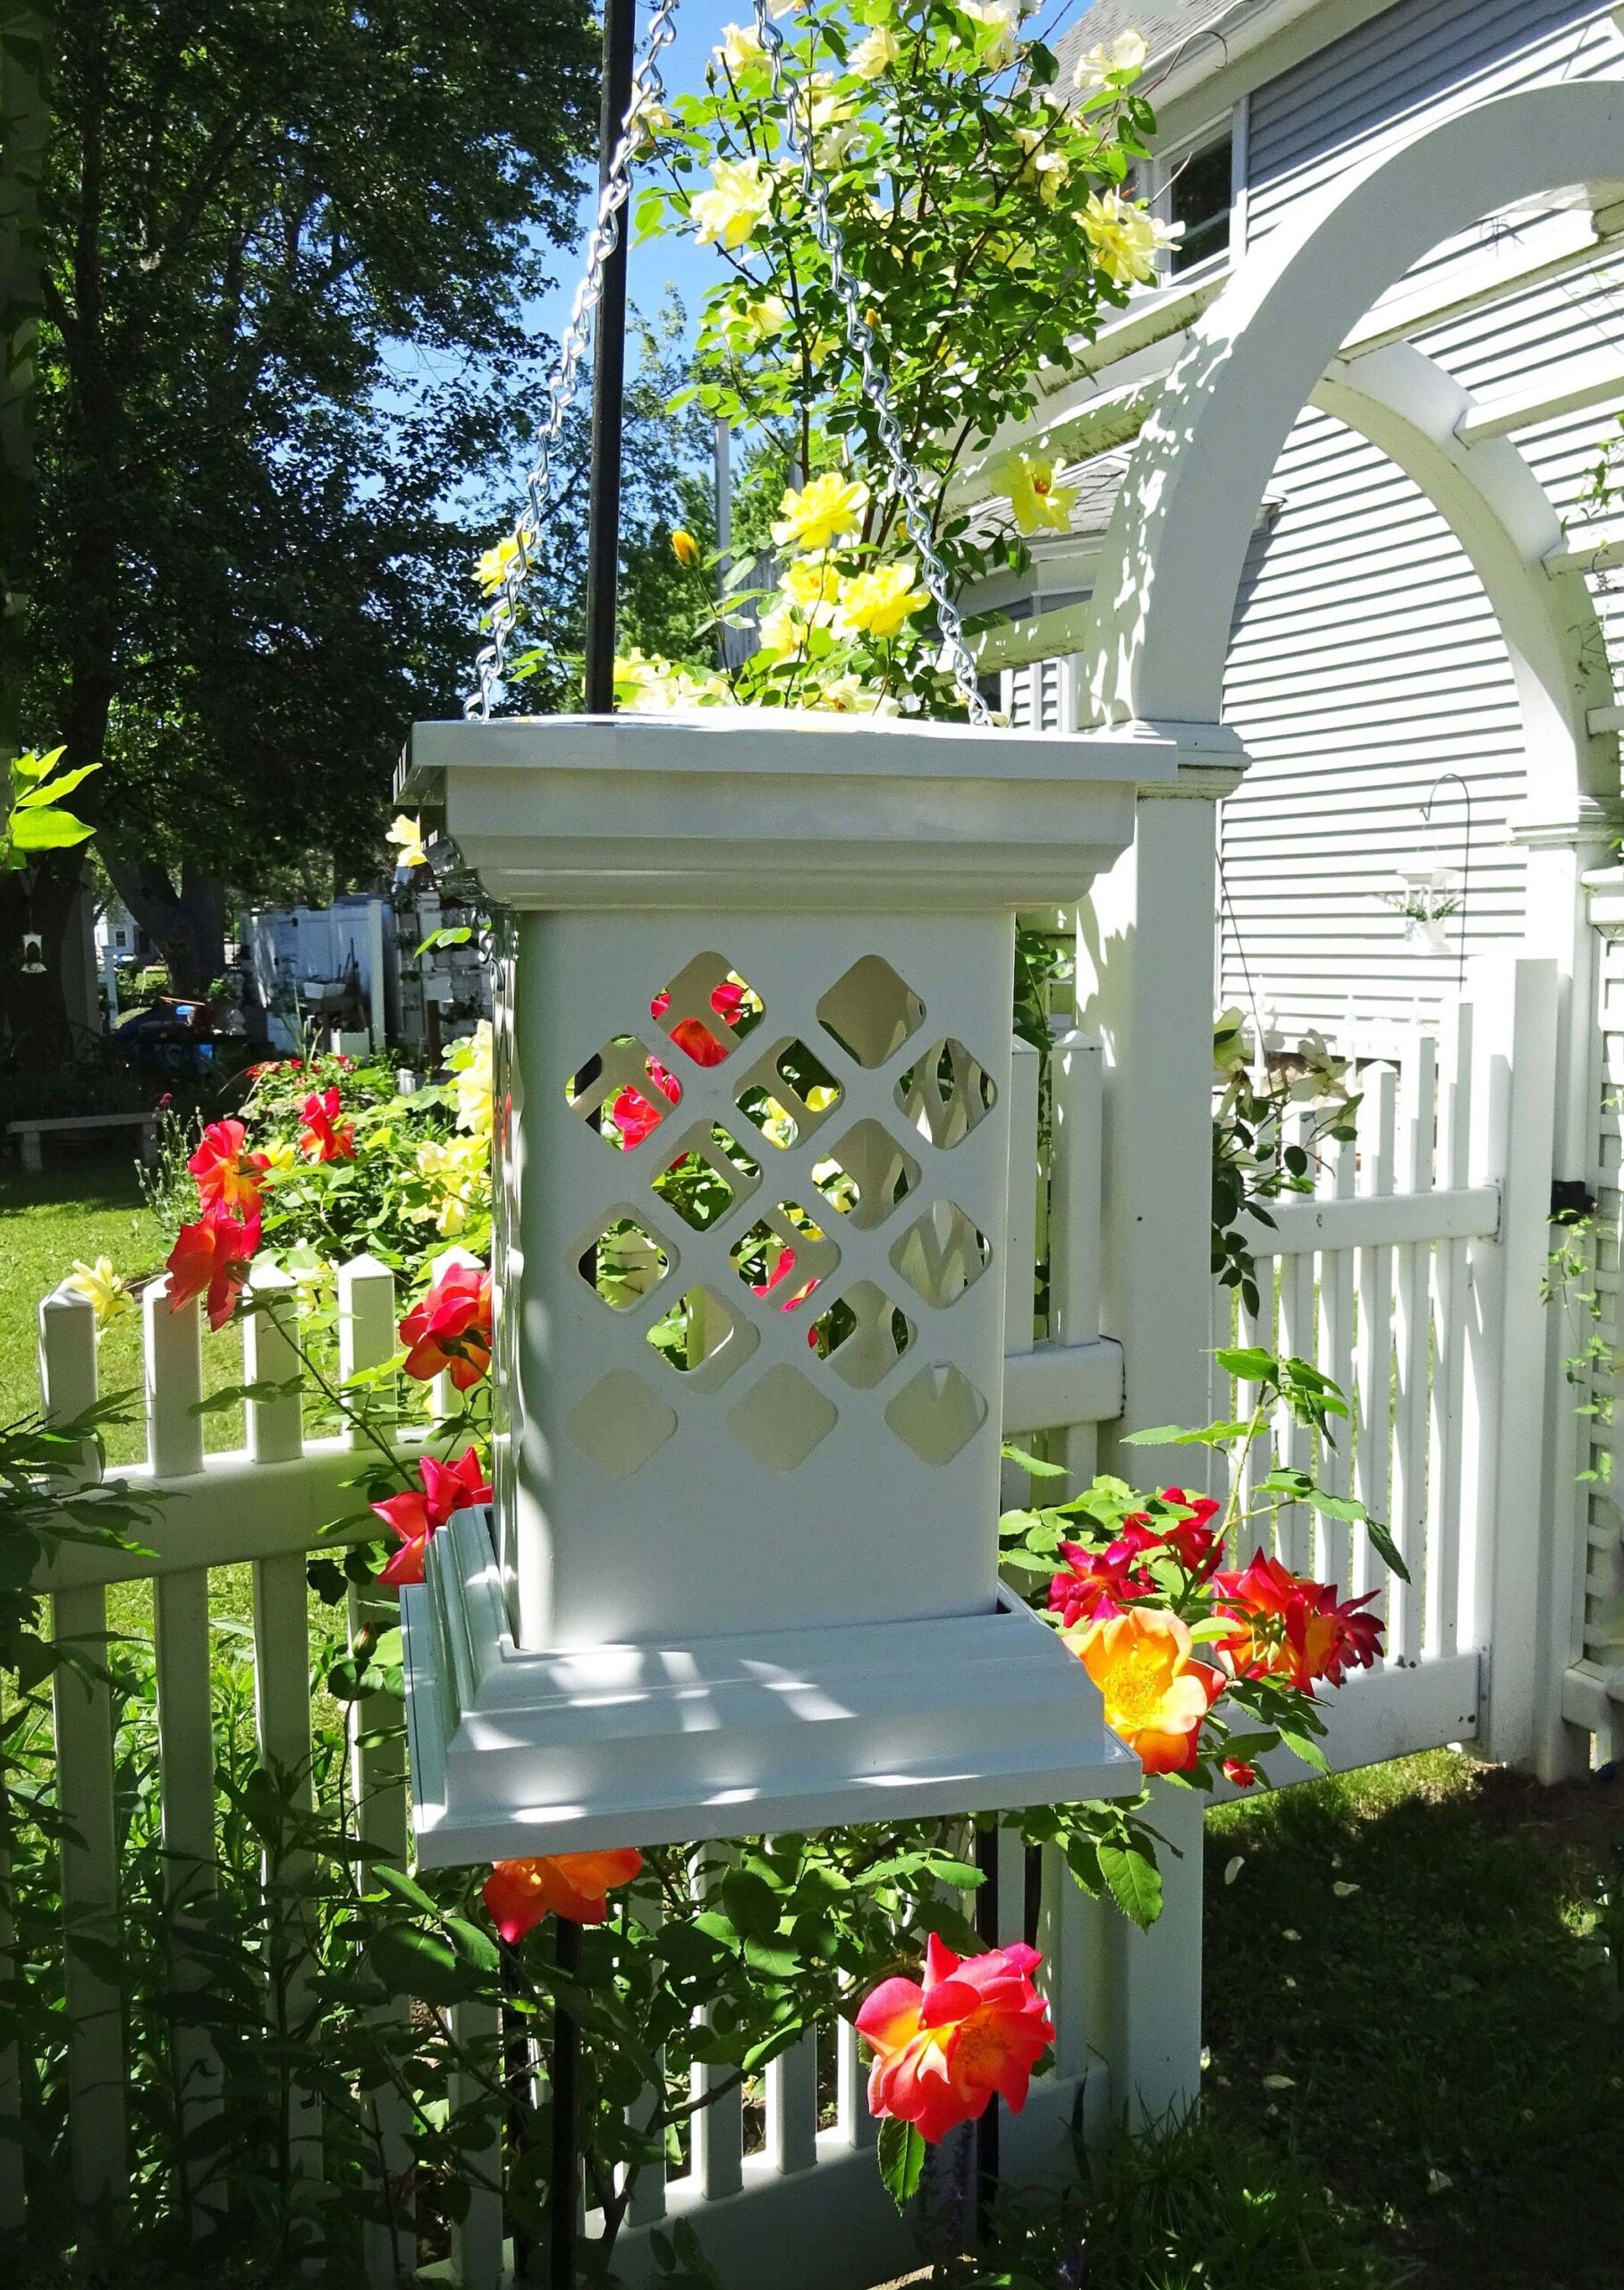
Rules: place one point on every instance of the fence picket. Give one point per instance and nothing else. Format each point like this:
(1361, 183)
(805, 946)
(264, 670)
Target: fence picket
(1076, 1082)
(282, 1647)
(1020, 1247)
(172, 1365)
(477, 2256)
(1450, 1276)
(1337, 1321)
(792, 2082)
(1413, 1349)
(858, 2127)
(716, 2129)
(1373, 1435)
(1298, 1340)
(82, 1712)
(378, 1767)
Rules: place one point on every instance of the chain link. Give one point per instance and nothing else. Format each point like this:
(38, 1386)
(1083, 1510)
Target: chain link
(865, 346)
(648, 90)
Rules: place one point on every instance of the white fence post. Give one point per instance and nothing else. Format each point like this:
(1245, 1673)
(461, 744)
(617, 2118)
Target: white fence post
(1513, 1135)
(1145, 971)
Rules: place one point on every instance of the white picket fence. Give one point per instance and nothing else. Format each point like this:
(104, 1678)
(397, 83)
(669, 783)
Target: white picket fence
(1412, 1275)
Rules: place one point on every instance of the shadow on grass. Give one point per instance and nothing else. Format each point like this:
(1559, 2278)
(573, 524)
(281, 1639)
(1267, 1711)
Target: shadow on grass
(1404, 1993)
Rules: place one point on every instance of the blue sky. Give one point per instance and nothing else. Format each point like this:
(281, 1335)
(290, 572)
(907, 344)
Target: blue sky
(678, 262)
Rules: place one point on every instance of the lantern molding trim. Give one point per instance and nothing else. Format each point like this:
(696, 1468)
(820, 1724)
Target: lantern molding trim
(517, 1752)
(699, 808)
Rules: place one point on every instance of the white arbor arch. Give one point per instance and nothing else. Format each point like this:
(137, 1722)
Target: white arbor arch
(1172, 558)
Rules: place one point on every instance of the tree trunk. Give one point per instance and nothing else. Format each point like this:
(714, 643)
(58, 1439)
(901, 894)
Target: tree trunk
(188, 926)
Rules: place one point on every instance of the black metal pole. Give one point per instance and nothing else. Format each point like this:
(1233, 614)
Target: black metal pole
(608, 384)
(602, 580)
(988, 2125)
(563, 2178)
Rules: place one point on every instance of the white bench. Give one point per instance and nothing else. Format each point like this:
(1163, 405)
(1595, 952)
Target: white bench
(29, 1133)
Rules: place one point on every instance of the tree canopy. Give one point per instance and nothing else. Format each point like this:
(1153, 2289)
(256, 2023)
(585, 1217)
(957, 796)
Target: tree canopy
(290, 253)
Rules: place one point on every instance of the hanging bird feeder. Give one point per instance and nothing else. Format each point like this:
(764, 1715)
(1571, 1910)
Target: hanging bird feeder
(752, 1091)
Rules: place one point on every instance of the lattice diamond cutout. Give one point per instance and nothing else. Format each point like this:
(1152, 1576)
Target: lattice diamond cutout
(784, 1256)
(946, 1093)
(862, 1335)
(788, 1093)
(782, 1419)
(942, 1253)
(704, 1338)
(620, 1423)
(623, 1091)
(938, 1413)
(711, 1171)
(870, 1011)
(707, 1009)
(620, 1260)
(866, 1175)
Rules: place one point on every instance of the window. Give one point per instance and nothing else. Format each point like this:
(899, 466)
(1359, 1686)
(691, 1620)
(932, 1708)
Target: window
(1200, 194)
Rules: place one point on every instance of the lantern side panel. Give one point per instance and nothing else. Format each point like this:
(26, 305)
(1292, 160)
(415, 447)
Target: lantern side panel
(752, 1286)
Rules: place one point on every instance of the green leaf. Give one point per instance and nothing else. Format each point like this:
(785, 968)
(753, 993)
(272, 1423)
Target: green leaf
(1033, 1463)
(902, 2153)
(1387, 1547)
(404, 1887)
(1305, 1746)
(1250, 1364)
(1134, 1882)
(48, 830)
(411, 1962)
(473, 1945)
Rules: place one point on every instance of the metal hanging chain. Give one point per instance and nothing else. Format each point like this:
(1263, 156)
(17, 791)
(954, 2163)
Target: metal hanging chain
(865, 346)
(648, 90)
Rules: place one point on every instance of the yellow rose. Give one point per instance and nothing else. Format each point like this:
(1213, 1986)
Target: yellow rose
(876, 52)
(1044, 165)
(407, 835)
(685, 548)
(491, 569)
(876, 603)
(1039, 505)
(1127, 52)
(823, 512)
(471, 1060)
(107, 1294)
(761, 319)
(740, 47)
(1125, 239)
(814, 586)
(740, 197)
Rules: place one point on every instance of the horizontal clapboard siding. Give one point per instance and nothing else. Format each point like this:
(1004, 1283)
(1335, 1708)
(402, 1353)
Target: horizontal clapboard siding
(1365, 663)
(1413, 63)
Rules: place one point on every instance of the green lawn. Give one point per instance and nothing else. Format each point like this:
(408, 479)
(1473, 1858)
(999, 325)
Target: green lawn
(85, 1209)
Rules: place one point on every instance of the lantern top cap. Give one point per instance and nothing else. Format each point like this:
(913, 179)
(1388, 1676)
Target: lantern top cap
(783, 742)
(700, 808)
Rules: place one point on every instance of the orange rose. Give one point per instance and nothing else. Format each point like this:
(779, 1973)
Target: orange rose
(1155, 1695)
(519, 1893)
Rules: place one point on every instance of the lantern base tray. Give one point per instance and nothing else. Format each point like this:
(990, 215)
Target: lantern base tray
(517, 1752)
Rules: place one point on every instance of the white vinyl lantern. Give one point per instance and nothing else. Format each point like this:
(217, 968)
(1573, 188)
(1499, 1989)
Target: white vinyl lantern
(752, 1083)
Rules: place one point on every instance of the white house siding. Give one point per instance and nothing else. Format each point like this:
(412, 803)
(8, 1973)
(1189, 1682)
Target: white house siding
(1366, 662)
